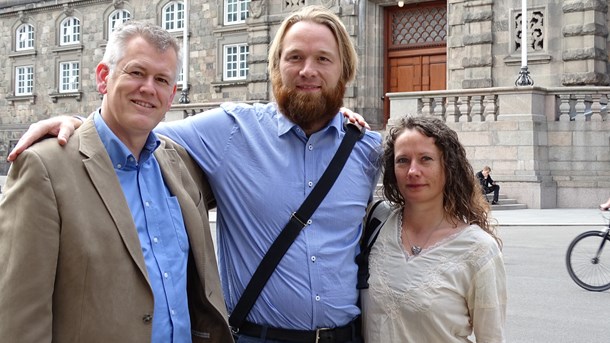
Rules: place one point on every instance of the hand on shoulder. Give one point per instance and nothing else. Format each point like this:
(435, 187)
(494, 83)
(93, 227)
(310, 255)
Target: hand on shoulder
(61, 126)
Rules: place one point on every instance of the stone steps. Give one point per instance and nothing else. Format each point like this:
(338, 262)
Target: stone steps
(505, 203)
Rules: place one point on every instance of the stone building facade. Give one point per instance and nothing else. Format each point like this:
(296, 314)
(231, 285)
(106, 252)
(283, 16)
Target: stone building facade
(548, 143)
(456, 59)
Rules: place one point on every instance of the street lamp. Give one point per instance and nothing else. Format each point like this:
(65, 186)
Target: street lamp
(524, 78)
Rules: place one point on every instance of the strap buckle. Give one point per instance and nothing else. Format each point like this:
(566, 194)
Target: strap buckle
(294, 216)
(318, 333)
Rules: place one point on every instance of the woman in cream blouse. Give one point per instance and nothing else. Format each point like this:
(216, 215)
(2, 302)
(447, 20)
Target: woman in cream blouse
(437, 273)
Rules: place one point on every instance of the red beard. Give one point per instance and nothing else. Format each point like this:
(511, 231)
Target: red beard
(306, 109)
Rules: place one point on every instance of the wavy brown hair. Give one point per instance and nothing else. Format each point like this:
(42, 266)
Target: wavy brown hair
(462, 197)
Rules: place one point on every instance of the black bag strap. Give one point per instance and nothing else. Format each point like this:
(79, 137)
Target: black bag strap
(378, 214)
(298, 221)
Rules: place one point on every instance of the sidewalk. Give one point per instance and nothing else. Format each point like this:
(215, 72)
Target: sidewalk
(552, 217)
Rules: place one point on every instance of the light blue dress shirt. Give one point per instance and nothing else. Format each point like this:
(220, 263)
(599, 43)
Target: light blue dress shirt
(261, 167)
(161, 230)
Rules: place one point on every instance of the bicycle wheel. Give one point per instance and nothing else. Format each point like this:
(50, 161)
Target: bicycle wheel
(589, 271)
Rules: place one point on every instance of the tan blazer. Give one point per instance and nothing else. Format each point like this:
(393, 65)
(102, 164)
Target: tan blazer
(71, 265)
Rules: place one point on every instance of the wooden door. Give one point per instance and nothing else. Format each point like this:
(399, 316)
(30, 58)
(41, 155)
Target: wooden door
(416, 53)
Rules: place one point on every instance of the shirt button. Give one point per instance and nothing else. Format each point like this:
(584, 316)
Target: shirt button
(310, 184)
(310, 147)
(147, 204)
(313, 259)
(317, 298)
(173, 313)
(119, 166)
(156, 240)
(166, 275)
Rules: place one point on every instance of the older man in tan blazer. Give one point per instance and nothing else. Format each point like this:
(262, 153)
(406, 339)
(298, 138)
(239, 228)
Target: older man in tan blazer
(72, 265)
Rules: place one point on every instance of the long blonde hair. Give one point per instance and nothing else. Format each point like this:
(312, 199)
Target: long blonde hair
(320, 15)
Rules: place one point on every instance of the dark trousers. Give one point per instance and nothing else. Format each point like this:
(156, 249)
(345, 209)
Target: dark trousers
(495, 189)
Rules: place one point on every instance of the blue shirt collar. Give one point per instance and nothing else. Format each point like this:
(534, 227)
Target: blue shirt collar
(285, 125)
(119, 154)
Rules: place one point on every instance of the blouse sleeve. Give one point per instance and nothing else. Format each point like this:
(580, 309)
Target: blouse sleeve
(487, 301)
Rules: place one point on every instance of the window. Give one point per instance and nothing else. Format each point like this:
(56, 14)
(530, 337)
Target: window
(173, 16)
(24, 38)
(117, 17)
(24, 80)
(69, 77)
(236, 11)
(180, 79)
(70, 31)
(236, 61)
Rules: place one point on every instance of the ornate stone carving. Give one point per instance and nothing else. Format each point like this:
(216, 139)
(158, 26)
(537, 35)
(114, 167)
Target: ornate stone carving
(68, 10)
(257, 7)
(118, 4)
(291, 5)
(327, 3)
(535, 31)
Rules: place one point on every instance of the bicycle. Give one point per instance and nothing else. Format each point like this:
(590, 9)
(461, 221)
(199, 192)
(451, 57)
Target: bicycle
(588, 264)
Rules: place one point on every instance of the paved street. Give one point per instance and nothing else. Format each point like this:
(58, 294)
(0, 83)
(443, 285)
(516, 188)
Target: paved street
(545, 305)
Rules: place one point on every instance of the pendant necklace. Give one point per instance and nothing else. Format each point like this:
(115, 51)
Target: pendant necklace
(416, 249)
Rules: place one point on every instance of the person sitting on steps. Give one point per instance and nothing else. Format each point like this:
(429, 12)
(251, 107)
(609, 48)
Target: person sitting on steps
(488, 185)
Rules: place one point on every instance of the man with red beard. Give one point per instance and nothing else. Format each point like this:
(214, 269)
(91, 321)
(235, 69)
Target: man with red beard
(263, 160)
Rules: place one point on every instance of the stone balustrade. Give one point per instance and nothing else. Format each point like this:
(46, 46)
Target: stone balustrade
(487, 104)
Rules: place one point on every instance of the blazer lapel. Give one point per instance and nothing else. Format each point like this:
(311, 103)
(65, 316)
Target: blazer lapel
(103, 177)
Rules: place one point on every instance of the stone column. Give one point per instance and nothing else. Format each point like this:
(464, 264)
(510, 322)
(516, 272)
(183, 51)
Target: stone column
(477, 39)
(522, 129)
(585, 52)
(258, 41)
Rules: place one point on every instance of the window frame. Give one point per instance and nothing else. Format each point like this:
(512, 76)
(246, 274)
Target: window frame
(113, 21)
(74, 37)
(241, 68)
(28, 80)
(73, 72)
(177, 20)
(31, 37)
(238, 15)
